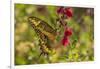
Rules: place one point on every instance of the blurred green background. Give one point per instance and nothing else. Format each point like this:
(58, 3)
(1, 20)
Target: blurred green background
(26, 40)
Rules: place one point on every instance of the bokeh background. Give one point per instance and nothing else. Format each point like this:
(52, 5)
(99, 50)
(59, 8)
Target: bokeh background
(26, 40)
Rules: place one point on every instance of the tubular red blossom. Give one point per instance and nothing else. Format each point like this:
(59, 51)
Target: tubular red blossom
(65, 41)
(60, 10)
(68, 32)
(69, 12)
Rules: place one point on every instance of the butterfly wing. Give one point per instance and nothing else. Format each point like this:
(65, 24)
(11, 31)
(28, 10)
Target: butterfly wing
(42, 26)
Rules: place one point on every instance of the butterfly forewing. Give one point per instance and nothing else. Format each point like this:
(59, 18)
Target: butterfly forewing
(41, 25)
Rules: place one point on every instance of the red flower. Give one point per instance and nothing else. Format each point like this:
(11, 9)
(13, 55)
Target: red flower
(60, 10)
(65, 11)
(69, 12)
(65, 41)
(67, 33)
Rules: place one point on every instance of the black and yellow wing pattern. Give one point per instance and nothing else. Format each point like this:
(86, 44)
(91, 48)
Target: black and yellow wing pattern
(45, 32)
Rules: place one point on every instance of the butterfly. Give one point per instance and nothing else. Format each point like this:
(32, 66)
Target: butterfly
(45, 33)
